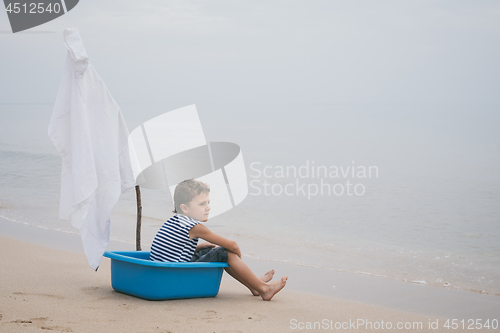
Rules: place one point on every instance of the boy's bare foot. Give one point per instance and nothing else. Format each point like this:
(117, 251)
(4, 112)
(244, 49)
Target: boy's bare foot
(266, 278)
(273, 289)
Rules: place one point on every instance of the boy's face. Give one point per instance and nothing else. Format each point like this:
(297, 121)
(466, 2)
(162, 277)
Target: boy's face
(198, 208)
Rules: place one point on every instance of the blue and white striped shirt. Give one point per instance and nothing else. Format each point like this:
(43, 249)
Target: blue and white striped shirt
(172, 242)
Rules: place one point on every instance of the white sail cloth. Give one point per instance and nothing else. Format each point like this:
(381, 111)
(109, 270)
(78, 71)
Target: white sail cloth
(91, 136)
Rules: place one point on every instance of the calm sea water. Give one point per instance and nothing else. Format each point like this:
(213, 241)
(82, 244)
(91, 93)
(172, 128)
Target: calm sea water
(428, 213)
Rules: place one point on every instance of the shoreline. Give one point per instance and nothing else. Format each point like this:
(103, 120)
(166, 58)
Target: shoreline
(367, 289)
(415, 282)
(148, 235)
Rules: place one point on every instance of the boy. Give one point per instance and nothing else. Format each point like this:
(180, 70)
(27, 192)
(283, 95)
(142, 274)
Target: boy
(177, 239)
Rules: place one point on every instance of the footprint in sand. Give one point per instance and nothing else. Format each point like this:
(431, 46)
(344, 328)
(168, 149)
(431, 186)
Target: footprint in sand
(29, 321)
(210, 314)
(41, 321)
(57, 328)
(128, 306)
(44, 295)
(89, 290)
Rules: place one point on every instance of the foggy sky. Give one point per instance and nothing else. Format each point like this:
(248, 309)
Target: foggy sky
(266, 52)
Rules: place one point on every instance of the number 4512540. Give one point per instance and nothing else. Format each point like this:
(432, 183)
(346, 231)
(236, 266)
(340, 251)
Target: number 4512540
(471, 324)
(33, 8)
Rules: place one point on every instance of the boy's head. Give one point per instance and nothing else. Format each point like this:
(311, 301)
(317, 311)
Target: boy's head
(184, 194)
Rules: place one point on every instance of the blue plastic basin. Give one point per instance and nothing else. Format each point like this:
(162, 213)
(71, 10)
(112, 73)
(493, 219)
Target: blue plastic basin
(134, 274)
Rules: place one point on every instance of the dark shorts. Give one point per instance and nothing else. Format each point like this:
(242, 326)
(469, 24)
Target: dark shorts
(217, 254)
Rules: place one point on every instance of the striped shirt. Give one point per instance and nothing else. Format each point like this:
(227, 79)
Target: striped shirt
(172, 242)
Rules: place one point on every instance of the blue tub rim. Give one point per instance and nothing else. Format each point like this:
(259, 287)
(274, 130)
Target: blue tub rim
(126, 257)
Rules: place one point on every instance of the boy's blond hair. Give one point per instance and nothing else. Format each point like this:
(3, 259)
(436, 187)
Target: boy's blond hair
(186, 190)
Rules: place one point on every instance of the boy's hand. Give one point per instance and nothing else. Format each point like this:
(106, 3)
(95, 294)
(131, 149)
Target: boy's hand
(237, 251)
(205, 245)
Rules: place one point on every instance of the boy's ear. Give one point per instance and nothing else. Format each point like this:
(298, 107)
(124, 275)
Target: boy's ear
(184, 209)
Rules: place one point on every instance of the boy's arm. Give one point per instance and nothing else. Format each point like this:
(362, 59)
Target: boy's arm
(200, 231)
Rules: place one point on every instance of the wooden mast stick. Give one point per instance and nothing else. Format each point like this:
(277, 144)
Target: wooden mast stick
(139, 218)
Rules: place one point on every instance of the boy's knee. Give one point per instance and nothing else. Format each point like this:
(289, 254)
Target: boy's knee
(231, 255)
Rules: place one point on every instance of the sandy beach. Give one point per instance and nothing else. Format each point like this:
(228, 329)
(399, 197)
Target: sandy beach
(351, 146)
(50, 289)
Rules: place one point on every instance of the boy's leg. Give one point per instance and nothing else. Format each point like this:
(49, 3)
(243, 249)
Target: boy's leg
(249, 279)
(231, 272)
(265, 278)
(219, 254)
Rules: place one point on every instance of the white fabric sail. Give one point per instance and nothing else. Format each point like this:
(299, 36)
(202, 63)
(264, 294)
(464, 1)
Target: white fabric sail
(91, 136)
